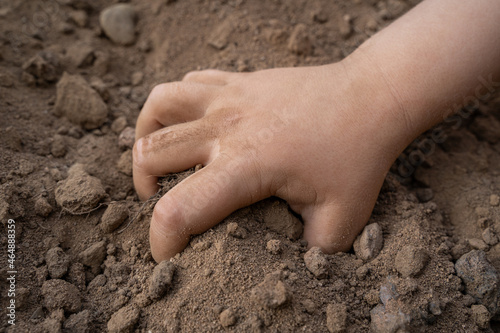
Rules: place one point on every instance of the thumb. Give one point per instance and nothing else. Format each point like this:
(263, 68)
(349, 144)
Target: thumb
(198, 203)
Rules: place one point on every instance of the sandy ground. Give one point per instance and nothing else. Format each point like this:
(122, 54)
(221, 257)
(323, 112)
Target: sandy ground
(70, 93)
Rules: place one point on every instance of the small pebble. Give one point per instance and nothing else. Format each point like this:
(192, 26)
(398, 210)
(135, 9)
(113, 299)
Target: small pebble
(42, 207)
(57, 262)
(113, 217)
(161, 279)
(336, 318)
(410, 260)
(119, 124)
(434, 308)
(94, 256)
(81, 104)
(127, 138)
(316, 262)
(124, 164)
(368, 245)
(58, 148)
(388, 292)
(80, 192)
(227, 317)
(124, 319)
(274, 246)
(481, 316)
(118, 23)
(271, 293)
(480, 278)
(309, 306)
(234, 230)
(477, 244)
(384, 321)
(490, 237)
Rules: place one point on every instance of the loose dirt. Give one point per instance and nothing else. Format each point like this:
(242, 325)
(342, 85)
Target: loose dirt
(70, 93)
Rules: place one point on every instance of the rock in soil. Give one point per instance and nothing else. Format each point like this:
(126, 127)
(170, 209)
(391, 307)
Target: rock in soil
(219, 38)
(78, 102)
(127, 138)
(42, 207)
(162, 277)
(489, 236)
(58, 148)
(113, 216)
(274, 246)
(124, 320)
(228, 317)
(93, 256)
(410, 260)
(234, 230)
(124, 164)
(271, 293)
(118, 23)
(481, 316)
(384, 321)
(480, 279)
(316, 262)
(278, 218)
(80, 192)
(57, 262)
(59, 294)
(368, 245)
(78, 322)
(336, 318)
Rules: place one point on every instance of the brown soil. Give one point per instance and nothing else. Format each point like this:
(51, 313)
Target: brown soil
(82, 254)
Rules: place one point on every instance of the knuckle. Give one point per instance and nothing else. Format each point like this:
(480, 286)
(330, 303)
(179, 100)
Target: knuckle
(168, 218)
(157, 91)
(190, 75)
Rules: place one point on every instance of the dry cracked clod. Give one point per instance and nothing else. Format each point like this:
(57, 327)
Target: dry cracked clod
(59, 294)
(79, 193)
(57, 262)
(272, 292)
(368, 245)
(316, 262)
(161, 279)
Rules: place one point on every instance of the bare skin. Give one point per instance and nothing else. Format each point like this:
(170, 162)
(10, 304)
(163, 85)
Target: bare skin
(322, 138)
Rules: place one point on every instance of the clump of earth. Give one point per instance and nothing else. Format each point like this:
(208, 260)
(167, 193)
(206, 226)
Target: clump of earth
(73, 78)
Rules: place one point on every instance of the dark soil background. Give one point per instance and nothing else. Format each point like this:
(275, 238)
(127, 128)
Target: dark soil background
(71, 88)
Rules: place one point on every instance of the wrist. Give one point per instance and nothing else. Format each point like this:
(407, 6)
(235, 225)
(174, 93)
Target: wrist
(378, 105)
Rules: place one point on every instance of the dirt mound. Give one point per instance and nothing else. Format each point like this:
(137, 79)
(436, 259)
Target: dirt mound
(70, 93)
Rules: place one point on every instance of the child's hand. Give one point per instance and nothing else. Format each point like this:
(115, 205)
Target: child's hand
(321, 138)
(313, 136)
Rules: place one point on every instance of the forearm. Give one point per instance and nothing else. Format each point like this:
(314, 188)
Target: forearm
(441, 55)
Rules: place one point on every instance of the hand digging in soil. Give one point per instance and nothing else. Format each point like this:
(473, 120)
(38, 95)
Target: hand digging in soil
(322, 138)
